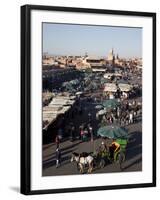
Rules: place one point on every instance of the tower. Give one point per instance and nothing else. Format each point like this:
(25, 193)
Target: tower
(117, 57)
(111, 57)
(86, 55)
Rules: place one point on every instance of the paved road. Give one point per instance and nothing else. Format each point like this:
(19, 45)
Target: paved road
(133, 155)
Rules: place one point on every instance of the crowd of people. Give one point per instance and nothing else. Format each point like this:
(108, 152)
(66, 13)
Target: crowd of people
(86, 131)
(125, 114)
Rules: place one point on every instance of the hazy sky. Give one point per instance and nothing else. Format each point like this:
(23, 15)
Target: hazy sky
(67, 39)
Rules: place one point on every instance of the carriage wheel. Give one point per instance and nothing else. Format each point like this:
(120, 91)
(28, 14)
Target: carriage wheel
(120, 158)
(102, 163)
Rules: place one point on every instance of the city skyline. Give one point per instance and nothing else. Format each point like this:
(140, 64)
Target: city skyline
(72, 39)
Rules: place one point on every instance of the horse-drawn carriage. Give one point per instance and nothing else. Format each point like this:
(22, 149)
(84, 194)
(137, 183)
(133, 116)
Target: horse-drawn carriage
(100, 159)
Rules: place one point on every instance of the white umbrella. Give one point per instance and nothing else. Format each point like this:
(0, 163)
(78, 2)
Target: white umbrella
(102, 112)
(79, 93)
(98, 106)
(110, 87)
(125, 87)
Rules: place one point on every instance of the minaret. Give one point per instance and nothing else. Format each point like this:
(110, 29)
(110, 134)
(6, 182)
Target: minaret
(86, 54)
(112, 51)
(117, 57)
(111, 57)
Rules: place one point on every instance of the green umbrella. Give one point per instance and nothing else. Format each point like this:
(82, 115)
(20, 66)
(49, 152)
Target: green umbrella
(113, 132)
(111, 103)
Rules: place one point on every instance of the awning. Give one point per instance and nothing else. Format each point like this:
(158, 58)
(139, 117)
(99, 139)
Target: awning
(110, 87)
(125, 87)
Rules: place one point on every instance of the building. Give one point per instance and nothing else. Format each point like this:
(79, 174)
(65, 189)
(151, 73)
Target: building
(48, 61)
(111, 57)
(95, 63)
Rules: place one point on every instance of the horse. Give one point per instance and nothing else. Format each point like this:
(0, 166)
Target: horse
(82, 160)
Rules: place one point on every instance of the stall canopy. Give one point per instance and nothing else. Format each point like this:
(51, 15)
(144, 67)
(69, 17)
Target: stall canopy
(79, 93)
(125, 87)
(99, 107)
(102, 112)
(110, 87)
(109, 75)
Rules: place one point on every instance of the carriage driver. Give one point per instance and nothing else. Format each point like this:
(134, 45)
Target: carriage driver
(103, 147)
(113, 148)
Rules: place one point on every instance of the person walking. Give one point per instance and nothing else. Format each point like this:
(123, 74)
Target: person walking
(72, 135)
(57, 141)
(103, 147)
(82, 134)
(130, 118)
(90, 132)
(58, 157)
(85, 136)
(89, 117)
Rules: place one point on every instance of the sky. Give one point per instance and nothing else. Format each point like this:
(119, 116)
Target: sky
(72, 39)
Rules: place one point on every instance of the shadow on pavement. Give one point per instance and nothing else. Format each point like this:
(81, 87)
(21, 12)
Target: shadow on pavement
(62, 149)
(47, 146)
(52, 161)
(71, 146)
(134, 146)
(132, 163)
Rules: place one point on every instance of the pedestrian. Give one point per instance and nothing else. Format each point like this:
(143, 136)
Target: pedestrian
(112, 117)
(89, 117)
(60, 133)
(127, 118)
(130, 118)
(58, 157)
(103, 148)
(57, 141)
(85, 135)
(90, 132)
(72, 135)
(82, 134)
(110, 120)
(97, 116)
(118, 113)
(127, 106)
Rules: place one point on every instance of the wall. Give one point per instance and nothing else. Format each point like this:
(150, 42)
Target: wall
(10, 98)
